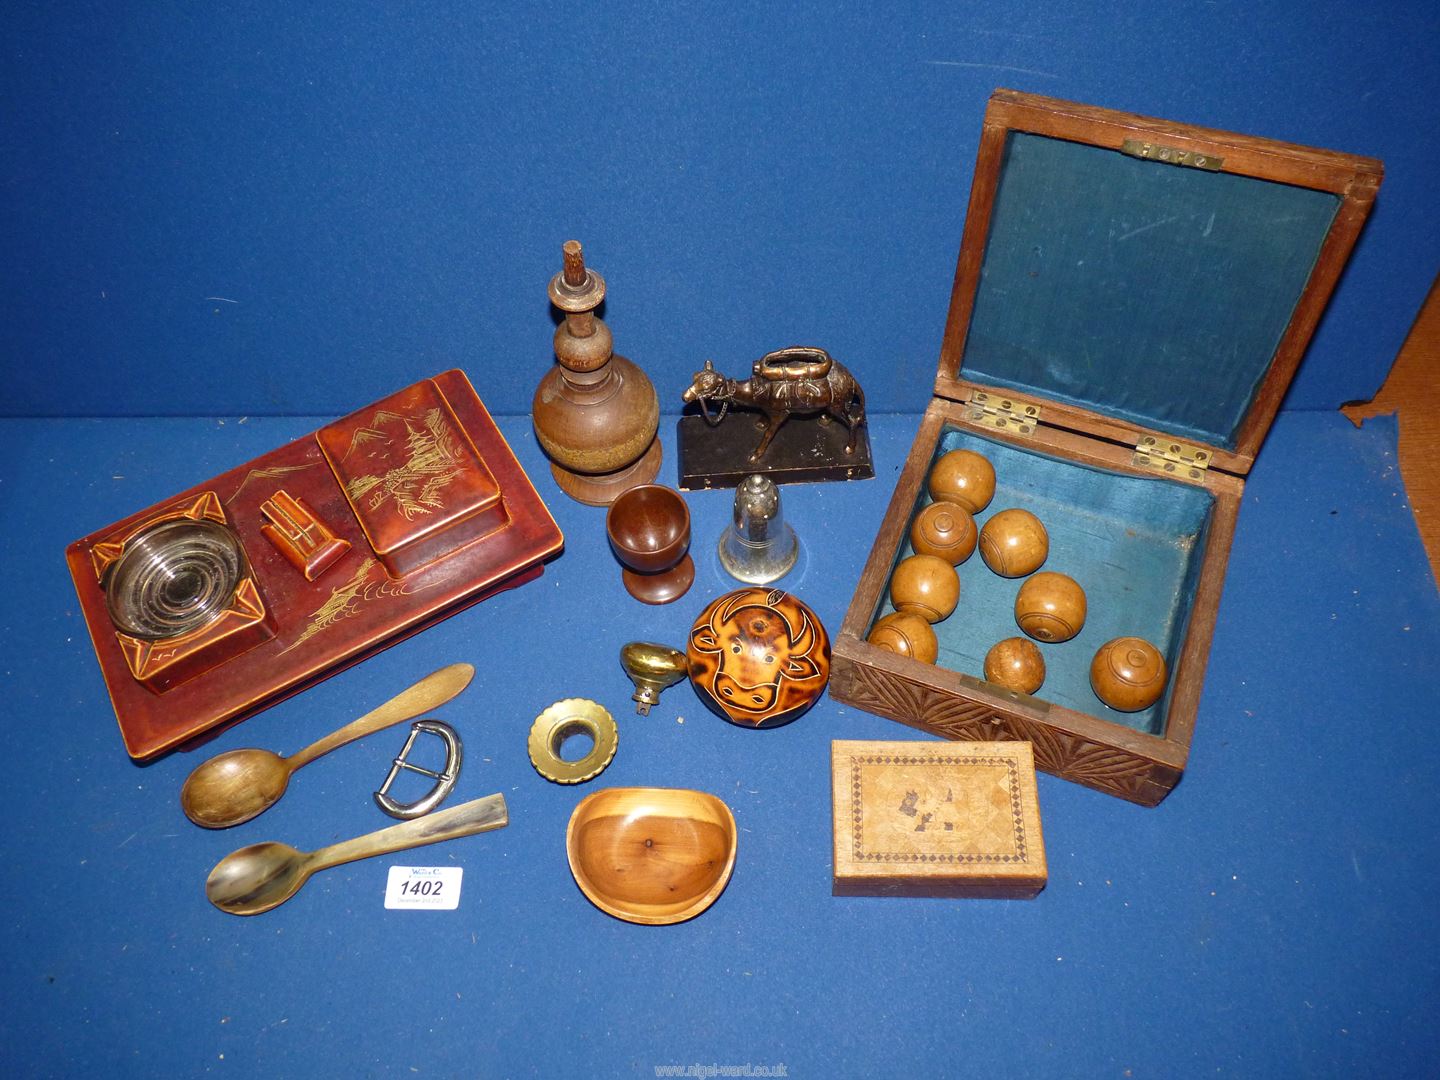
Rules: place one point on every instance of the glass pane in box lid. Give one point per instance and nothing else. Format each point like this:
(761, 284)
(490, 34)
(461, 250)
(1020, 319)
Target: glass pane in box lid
(1140, 290)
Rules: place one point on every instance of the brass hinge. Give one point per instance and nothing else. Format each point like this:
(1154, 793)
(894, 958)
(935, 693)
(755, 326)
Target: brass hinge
(1170, 458)
(1002, 413)
(1172, 155)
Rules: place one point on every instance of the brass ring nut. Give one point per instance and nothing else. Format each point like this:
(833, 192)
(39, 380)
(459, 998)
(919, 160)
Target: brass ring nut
(572, 716)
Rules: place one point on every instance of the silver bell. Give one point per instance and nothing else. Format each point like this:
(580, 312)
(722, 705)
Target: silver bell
(758, 546)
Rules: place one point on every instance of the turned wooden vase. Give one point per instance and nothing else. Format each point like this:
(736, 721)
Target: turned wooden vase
(649, 531)
(595, 413)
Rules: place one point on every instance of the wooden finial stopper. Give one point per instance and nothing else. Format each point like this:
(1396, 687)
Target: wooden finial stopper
(574, 264)
(576, 289)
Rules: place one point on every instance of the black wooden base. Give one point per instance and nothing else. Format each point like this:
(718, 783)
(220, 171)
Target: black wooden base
(805, 450)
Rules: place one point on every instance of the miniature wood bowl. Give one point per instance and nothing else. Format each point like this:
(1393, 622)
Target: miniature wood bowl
(1014, 543)
(653, 856)
(1050, 607)
(905, 634)
(1128, 674)
(1015, 664)
(963, 477)
(945, 530)
(926, 586)
(649, 531)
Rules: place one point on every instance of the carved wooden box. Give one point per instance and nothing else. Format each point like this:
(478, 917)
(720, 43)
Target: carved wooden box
(302, 562)
(936, 819)
(1131, 301)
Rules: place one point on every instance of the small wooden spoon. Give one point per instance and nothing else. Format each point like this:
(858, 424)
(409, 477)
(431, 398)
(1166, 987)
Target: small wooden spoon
(263, 876)
(238, 785)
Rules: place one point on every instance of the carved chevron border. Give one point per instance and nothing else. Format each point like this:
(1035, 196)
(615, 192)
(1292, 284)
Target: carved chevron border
(1106, 768)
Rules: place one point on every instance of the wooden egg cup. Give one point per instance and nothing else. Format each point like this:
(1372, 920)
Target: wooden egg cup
(649, 531)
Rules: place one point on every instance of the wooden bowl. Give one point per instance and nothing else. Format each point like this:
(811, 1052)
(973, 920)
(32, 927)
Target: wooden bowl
(653, 856)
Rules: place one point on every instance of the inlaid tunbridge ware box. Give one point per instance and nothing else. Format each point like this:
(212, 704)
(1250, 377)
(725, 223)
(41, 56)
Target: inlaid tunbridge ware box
(936, 819)
(1131, 302)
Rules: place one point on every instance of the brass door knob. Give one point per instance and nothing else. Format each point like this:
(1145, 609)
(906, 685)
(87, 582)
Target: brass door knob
(652, 668)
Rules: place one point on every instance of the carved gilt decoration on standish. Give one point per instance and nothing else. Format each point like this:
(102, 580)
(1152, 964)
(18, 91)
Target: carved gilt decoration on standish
(270, 473)
(347, 599)
(1067, 755)
(433, 459)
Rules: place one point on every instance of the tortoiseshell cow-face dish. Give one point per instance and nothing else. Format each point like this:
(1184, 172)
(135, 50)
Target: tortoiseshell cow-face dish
(758, 657)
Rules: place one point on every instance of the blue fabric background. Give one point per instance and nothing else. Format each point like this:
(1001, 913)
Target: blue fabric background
(291, 208)
(297, 209)
(1273, 917)
(1158, 295)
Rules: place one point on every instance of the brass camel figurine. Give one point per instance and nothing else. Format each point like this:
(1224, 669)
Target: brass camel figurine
(799, 379)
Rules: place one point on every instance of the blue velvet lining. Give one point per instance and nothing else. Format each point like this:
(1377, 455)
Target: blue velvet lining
(1142, 290)
(1134, 544)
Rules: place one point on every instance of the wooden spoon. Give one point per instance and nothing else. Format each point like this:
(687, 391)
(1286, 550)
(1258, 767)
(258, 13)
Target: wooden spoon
(239, 784)
(263, 876)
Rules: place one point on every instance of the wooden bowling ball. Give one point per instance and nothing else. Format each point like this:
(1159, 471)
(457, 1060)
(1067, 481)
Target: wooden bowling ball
(965, 478)
(1050, 607)
(1128, 674)
(1015, 664)
(945, 530)
(905, 634)
(926, 586)
(759, 657)
(1013, 543)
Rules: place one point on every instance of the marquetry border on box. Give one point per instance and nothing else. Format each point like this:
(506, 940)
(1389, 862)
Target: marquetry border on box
(1019, 872)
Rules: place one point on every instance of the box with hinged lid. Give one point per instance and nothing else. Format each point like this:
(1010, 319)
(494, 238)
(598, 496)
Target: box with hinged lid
(1131, 301)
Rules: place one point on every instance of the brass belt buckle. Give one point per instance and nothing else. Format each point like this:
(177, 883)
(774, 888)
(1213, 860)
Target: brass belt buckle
(444, 780)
